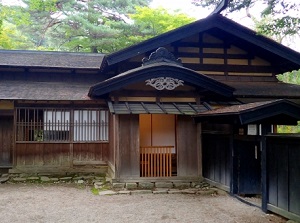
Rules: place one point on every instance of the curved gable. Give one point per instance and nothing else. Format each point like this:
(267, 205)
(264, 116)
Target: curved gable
(161, 64)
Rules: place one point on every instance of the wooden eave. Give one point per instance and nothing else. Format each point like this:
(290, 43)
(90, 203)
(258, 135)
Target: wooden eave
(272, 112)
(250, 89)
(50, 60)
(214, 23)
(143, 73)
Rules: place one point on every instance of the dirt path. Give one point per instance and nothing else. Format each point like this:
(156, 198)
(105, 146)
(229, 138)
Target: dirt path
(65, 203)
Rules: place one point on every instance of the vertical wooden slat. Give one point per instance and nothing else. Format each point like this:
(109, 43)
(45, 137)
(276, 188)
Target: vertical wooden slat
(156, 161)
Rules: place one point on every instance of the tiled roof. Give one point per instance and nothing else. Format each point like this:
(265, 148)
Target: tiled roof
(21, 90)
(265, 89)
(234, 109)
(18, 58)
(279, 111)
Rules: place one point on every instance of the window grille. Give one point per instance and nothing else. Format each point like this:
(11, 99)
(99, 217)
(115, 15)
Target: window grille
(90, 125)
(48, 125)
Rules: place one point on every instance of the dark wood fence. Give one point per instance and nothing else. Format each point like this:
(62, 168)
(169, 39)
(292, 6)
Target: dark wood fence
(283, 175)
(216, 158)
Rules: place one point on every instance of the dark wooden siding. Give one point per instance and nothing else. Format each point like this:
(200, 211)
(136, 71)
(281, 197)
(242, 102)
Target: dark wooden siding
(211, 54)
(39, 155)
(283, 173)
(128, 154)
(216, 158)
(188, 151)
(6, 140)
(43, 154)
(90, 151)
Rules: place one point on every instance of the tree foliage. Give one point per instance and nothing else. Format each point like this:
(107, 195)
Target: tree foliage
(88, 25)
(292, 77)
(150, 22)
(74, 25)
(278, 19)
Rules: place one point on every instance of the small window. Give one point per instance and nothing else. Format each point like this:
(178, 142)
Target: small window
(90, 125)
(48, 125)
(56, 125)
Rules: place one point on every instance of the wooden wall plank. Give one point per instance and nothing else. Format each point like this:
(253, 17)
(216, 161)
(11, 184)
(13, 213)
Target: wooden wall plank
(42, 154)
(6, 140)
(294, 178)
(129, 147)
(187, 150)
(216, 158)
(272, 166)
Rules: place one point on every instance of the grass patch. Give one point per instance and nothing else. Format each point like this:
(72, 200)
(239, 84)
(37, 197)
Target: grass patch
(95, 191)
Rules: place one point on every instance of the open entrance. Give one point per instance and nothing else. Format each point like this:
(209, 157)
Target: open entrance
(158, 145)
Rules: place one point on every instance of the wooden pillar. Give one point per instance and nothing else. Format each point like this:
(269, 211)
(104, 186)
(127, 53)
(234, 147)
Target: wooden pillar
(199, 146)
(264, 187)
(233, 163)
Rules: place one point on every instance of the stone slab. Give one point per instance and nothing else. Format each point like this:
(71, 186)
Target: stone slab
(174, 191)
(45, 179)
(80, 181)
(189, 191)
(182, 185)
(131, 186)
(126, 192)
(33, 178)
(141, 191)
(65, 178)
(88, 177)
(160, 191)
(164, 184)
(146, 185)
(118, 185)
(107, 192)
(19, 179)
(3, 179)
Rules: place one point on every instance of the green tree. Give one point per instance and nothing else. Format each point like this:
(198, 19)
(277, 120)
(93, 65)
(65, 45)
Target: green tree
(155, 21)
(74, 25)
(10, 37)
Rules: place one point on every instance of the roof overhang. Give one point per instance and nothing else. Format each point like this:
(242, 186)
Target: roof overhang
(156, 108)
(159, 65)
(270, 112)
(212, 22)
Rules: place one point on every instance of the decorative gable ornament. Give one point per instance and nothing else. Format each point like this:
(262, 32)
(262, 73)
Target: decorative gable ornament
(161, 83)
(161, 55)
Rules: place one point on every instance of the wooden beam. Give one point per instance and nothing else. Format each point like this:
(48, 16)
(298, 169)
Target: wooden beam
(264, 186)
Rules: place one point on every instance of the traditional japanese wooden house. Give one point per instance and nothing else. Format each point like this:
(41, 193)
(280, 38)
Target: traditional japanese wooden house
(197, 102)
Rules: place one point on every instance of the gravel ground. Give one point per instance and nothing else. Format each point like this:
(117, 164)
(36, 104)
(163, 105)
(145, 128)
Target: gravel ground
(69, 203)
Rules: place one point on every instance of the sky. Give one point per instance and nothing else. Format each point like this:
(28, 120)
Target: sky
(186, 6)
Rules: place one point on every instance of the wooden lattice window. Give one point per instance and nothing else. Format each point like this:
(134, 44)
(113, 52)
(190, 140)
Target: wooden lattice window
(90, 125)
(48, 125)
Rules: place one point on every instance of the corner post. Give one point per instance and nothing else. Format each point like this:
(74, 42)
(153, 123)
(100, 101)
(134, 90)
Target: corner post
(264, 187)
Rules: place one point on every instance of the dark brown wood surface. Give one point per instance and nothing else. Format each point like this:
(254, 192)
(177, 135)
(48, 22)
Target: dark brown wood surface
(6, 141)
(90, 151)
(59, 154)
(187, 150)
(42, 154)
(129, 148)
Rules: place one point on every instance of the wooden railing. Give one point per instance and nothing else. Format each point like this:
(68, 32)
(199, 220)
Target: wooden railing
(156, 161)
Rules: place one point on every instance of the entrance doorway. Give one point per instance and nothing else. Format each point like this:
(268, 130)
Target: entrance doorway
(158, 156)
(6, 141)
